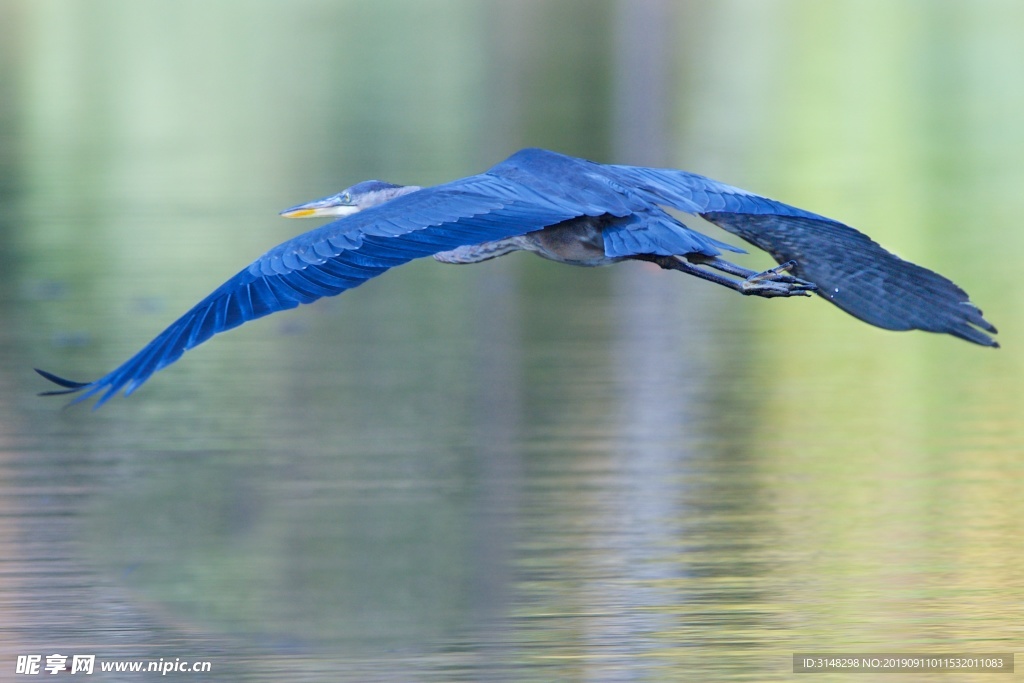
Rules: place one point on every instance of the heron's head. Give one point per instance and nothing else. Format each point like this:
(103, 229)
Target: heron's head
(349, 201)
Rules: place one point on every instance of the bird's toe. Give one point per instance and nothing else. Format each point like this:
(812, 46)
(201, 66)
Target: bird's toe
(776, 282)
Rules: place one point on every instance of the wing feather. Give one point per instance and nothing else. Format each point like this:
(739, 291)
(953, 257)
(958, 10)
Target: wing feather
(851, 270)
(860, 277)
(334, 258)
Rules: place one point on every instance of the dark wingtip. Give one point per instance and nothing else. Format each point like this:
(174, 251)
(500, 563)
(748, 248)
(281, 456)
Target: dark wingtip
(986, 325)
(973, 335)
(976, 318)
(70, 386)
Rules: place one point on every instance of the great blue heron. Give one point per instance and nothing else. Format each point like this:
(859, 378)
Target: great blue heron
(572, 211)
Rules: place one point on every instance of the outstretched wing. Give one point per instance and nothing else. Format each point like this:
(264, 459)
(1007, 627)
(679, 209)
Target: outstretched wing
(850, 270)
(336, 257)
(862, 278)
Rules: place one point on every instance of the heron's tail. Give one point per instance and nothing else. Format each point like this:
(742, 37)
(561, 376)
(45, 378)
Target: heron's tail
(860, 277)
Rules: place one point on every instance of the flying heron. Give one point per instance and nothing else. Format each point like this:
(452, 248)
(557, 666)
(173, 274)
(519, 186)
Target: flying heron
(572, 211)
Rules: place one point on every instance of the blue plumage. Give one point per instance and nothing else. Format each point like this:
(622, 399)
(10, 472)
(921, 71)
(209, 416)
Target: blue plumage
(571, 210)
(655, 232)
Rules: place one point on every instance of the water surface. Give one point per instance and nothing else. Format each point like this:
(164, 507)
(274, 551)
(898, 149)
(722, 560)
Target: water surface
(516, 470)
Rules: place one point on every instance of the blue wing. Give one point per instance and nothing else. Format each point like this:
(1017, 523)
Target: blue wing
(339, 256)
(851, 271)
(627, 189)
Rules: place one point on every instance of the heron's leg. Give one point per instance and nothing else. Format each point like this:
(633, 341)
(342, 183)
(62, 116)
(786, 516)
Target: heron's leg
(770, 283)
(754, 279)
(485, 251)
(722, 265)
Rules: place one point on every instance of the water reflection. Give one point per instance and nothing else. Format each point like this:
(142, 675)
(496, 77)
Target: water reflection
(517, 470)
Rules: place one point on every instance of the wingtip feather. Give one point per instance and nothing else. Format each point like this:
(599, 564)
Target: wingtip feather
(68, 384)
(70, 387)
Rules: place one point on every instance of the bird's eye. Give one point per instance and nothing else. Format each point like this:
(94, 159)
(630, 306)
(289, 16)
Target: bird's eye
(346, 198)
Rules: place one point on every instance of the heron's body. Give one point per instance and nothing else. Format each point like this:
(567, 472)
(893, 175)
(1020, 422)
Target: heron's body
(576, 242)
(572, 211)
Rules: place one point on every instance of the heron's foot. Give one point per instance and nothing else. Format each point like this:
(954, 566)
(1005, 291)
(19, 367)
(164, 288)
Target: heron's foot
(777, 282)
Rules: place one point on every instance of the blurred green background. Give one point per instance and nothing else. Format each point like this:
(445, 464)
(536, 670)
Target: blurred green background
(513, 470)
